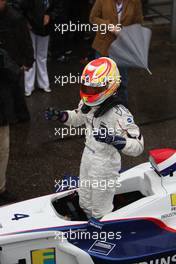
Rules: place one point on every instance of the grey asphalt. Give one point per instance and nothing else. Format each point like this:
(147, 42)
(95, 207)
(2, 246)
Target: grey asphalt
(38, 157)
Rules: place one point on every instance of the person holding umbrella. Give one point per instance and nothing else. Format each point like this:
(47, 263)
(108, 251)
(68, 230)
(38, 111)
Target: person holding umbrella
(123, 12)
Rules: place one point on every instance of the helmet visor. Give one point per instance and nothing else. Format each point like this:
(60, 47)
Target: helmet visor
(90, 90)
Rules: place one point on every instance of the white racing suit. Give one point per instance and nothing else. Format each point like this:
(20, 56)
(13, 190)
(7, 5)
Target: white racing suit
(101, 162)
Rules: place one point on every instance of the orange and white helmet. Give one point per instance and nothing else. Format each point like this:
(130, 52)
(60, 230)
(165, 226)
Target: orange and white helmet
(100, 79)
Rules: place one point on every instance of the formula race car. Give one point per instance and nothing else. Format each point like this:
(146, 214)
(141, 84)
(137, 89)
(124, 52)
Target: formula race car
(141, 229)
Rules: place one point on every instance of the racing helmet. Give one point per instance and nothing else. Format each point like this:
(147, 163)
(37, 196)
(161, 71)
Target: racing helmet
(100, 79)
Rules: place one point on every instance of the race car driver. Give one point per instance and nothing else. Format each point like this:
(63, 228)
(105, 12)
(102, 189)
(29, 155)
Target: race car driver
(110, 131)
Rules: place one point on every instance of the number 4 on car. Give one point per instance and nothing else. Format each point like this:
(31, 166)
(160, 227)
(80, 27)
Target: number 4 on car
(19, 216)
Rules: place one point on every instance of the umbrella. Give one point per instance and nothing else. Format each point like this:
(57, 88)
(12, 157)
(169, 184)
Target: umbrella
(131, 47)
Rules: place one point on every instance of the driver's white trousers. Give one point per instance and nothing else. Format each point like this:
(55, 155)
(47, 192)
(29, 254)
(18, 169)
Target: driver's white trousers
(98, 184)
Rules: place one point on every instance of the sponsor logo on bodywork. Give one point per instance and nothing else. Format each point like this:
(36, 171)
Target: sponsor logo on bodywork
(162, 260)
(168, 215)
(43, 256)
(173, 201)
(102, 248)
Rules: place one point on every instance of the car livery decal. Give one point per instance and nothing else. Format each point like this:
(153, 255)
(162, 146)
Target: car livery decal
(43, 256)
(143, 240)
(156, 221)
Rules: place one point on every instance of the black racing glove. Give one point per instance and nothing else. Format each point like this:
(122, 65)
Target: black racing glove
(117, 141)
(53, 114)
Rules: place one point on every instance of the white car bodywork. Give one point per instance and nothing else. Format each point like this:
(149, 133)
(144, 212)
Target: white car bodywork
(35, 229)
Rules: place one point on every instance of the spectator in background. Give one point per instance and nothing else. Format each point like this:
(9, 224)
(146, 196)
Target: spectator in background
(145, 6)
(40, 15)
(16, 55)
(61, 44)
(65, 46)
(124, 12)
